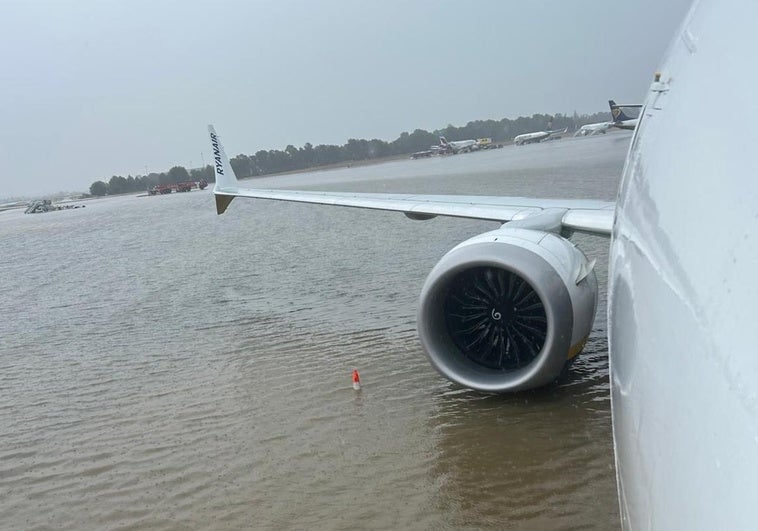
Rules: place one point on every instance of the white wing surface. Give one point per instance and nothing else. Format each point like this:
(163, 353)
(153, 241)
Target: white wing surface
(575, 214)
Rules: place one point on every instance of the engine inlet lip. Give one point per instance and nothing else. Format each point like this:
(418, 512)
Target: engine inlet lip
(538, 273)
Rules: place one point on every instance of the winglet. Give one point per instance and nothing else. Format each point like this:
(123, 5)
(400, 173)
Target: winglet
(222, 201)
(226, 186)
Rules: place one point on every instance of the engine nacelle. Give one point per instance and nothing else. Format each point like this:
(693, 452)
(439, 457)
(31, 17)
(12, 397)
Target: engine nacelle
(506, 310)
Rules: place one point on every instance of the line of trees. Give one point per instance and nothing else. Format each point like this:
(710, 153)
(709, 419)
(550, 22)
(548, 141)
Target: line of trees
(291, 158)
(140, 183)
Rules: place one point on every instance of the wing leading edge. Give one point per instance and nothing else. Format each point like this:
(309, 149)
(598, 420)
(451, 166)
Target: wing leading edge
(577, 215)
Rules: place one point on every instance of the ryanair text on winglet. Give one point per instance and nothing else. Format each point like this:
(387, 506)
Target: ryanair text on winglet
(217, 154)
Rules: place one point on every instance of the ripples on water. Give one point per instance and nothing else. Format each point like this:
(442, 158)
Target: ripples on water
(162, 367)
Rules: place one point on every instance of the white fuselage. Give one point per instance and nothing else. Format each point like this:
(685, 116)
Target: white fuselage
(593, 129)
(682, 287)
(527, 138)
(629, 125)
(462, 145)
(537, 136)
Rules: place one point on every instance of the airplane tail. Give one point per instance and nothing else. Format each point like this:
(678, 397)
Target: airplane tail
(226, 182)
(617, 113)
(443, 142)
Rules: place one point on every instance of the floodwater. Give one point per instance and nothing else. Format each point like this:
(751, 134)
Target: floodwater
(163, 367)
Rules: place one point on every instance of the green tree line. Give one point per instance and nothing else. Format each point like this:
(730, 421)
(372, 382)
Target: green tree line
(121, 185)
(309, 156)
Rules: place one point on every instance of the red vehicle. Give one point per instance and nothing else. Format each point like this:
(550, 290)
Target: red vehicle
(185, 186)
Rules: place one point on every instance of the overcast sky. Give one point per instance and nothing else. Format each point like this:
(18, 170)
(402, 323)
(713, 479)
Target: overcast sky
(91, 89)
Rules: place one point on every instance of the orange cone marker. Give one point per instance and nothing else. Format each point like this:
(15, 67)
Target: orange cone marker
(356, 380)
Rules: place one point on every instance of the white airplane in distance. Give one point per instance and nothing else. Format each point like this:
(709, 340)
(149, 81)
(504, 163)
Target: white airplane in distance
(593, 129)
(620, 119)
(537, 136)
(457, 146)
(504, 310)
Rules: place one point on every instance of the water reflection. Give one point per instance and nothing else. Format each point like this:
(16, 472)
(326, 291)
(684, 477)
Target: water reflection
(536, 460)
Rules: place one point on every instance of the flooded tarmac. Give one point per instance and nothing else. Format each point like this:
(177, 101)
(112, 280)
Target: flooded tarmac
(163, 367)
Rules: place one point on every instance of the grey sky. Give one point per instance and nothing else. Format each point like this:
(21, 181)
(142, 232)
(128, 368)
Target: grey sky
(90, 89)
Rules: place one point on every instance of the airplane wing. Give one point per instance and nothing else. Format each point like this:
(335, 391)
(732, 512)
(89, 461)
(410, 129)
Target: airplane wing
(573, 214)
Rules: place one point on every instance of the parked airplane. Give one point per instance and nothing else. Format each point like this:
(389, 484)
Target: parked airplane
(537, 136)
(593, 129)
(458, 146)
(620, 119)
(504, 310)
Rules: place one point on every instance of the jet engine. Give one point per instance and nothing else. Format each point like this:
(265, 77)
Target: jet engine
(508, 309)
